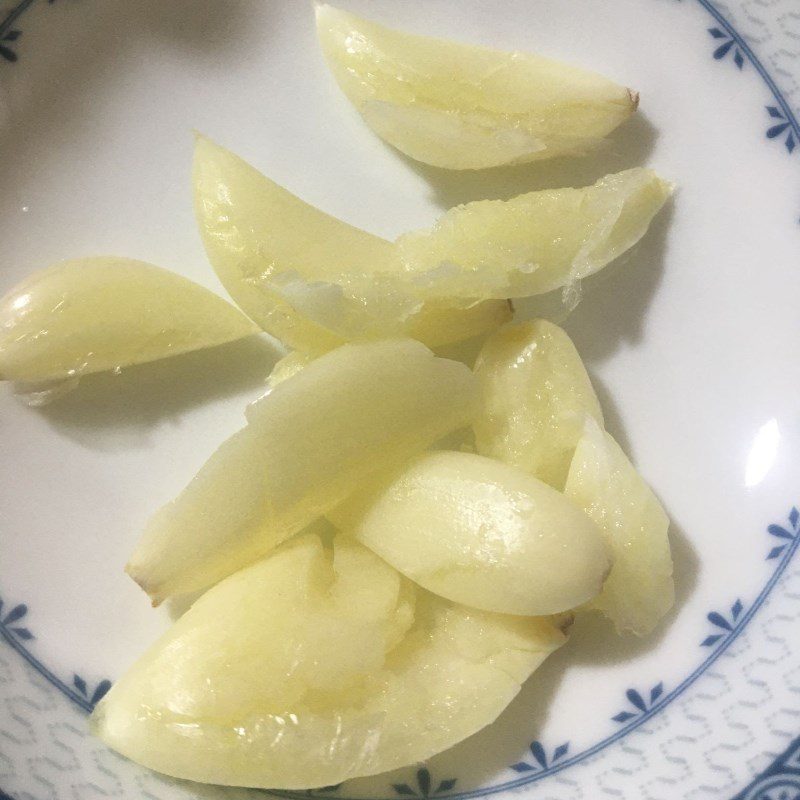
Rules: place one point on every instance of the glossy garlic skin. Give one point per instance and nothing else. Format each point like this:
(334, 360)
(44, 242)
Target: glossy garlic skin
(289, 266)
(463, 106)
(311, 667)
(309, 443)
(535, 242)
(639, 590)
(481, 533)
(95, 314)
(535, 398)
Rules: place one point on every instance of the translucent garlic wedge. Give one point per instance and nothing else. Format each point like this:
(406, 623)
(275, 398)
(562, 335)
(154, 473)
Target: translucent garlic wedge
(311, 667)
(279, 259)
(314, 282)
(309, 443)
(639, 591)
(481, 533)
(535, 242)
(95, 314)
(535, 397)
(464, 106)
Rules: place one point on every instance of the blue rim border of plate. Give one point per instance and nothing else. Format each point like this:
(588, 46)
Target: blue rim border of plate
(783, 121)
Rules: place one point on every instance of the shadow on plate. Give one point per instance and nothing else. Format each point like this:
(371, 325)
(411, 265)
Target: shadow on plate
(110, 412)
(84, 43)
(629, 146)
(615, 300)
(206, 27)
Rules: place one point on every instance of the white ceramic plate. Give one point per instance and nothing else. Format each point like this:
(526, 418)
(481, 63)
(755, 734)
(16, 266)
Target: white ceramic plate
(692, 341)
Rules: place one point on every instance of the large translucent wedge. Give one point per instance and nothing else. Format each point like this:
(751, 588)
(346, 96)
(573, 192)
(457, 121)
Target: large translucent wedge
(311, 667)
(535, 397)
(533, 243)
(95, 314)
(308, 444)
(280, 258)
(463, 106)
(639, 590)
(481, 533)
